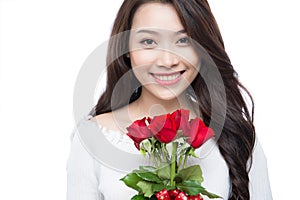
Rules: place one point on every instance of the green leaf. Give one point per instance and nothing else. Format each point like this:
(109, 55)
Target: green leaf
(157, 187)
(143, 152)
(148, 176)
(210, 195)
(143, 169)
(192, 153)
(146, 145)
(147, 169)
(194, 188)
(139, 197)
(192, 173)
(191, 187)
(146, 188)
(166, 182)
(164, 172)
(131, 181)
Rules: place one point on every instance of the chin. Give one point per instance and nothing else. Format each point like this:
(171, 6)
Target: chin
(168, 97)
(164, 94)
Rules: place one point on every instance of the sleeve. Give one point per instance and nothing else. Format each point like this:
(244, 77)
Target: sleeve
(82, 181)
(259, 180)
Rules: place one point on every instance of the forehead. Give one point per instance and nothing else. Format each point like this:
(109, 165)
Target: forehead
(157, 15)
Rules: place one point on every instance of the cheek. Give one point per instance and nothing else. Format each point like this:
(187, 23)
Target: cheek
(188, 56)
(141, 62)
(142, 58)
(195, 61)
(192, 61)
(191, 57)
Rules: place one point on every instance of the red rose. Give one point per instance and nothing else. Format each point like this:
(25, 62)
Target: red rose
(197, 132)
(138, 131)
(181, 118)
(164, 128)
(163, 195)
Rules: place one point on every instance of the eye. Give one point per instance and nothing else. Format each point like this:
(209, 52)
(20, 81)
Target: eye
(183, 41)
(148, 43)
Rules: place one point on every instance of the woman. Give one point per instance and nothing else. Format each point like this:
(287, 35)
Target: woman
(165, 55)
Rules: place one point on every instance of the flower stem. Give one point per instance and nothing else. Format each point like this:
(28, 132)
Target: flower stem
(173, 162)
(154, 160)
(180, 162)
(186, 155)
(164, 152)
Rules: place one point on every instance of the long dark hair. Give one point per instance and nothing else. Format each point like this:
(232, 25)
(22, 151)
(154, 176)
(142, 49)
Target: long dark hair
(238, 133)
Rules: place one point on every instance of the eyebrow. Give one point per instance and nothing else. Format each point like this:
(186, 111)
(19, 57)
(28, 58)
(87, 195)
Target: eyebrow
(181, 31)
(157, 33)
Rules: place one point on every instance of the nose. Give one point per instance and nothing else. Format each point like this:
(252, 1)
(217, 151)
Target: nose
(167, 59)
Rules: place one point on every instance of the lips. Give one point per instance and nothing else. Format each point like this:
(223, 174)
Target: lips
(167, 78)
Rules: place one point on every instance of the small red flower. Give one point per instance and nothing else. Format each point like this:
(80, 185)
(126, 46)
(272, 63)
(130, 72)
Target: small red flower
(163, 195)
(197, 132)
(181, 196)
(164, 128)
(174, 193)
(138, 131)
(196, 197)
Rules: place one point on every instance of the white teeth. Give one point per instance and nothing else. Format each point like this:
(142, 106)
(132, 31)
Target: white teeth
(167, 77)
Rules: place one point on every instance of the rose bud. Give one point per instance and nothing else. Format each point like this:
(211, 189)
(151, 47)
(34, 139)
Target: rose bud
(163, 195)
(197, 133)
(181, 196)
(138, 131)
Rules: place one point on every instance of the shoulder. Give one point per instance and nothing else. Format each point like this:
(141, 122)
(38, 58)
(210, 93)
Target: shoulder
(116, 121)
(103, 119)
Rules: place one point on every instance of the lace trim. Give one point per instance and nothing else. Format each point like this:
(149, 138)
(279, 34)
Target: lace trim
(124, 143)
(116, 138)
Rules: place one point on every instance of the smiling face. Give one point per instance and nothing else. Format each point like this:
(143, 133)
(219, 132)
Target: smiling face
(162, 56)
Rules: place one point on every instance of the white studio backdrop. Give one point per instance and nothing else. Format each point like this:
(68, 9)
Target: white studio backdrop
(43, 45)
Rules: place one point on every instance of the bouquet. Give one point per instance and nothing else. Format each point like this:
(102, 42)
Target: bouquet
(168, 141)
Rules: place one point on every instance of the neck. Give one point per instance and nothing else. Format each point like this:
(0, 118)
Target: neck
(150, 105)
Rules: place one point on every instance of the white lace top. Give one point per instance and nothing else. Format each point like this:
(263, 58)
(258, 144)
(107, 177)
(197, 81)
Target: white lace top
(99, 158)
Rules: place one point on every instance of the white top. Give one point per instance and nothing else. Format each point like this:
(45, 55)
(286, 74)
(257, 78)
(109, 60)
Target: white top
(99, 158)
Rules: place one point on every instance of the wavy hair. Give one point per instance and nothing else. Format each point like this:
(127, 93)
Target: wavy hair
(236, 141)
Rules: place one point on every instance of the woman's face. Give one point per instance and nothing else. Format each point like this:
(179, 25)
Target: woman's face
(162, 56)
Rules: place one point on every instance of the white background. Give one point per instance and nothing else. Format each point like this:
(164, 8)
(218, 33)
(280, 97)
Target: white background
(44, 43)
